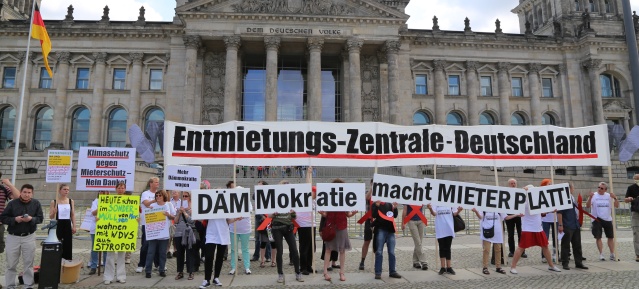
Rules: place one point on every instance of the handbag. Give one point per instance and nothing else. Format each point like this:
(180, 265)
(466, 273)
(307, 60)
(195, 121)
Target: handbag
(459, 224)
(328, 233)
(489, 232)
(193, 228)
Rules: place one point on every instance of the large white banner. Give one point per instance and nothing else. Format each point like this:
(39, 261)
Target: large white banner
(183, 178)
(549, 198)
(341, 197)
(221, 204)
(283, 198)
(370, 144)
(103, 168)
(59, 166)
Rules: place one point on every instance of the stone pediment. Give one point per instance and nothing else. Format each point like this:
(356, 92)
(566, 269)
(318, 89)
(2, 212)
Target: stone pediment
(616, 106)
(345, 8)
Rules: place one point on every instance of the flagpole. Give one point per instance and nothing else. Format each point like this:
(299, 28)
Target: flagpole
(16, 143)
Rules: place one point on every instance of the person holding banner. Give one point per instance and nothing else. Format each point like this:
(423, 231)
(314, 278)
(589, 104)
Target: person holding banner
(548, 223)
(184, 238)
(599, 202)
(445, 232)
(63, 210)
(146, 199)
(157, 247)
(632, 197)
(491, 221)
(240, 229)
(114, 259)
(282, 229)
(306, 233)
(417, 227)
(177, 204)
(512, 225)
(218, 237)
(93, 263)
(259, 218)
(568, 224)
(340, 243)
(368, 230)
(384, 215)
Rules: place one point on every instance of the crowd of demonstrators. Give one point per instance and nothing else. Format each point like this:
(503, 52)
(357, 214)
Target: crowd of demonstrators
(384, 215)
(632, 197)
(599, 202)
(62, 209)
(157, 247)
(93, 261)
(444, 232)
(416, 228)
(568, 224)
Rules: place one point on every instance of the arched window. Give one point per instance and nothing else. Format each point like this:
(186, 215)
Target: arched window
(486, 118)
(42, 128)
(609, 86)
(80, 128)
(517, 119)
(454, 118)
(7, 123)
(421, 118)
(153, 121)
(116, 133)
(547, 119)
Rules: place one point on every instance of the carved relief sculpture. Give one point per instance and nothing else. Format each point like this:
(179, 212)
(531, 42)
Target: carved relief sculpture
(311, 7)
(213, 97)
(370, 88)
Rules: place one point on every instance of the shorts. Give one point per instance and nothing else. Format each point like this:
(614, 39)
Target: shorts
(368, 231)
(531, 239)
(605, 225)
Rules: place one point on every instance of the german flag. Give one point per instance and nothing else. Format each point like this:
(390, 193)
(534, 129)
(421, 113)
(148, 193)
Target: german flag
(38, 31)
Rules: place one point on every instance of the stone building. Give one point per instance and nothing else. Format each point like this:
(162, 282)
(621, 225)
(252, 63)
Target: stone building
(337, 60)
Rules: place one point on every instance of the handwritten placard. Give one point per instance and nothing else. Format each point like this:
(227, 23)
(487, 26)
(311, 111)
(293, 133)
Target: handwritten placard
(117, 227)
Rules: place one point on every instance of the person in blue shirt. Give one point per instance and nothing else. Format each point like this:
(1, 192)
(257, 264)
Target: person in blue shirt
(569, 225)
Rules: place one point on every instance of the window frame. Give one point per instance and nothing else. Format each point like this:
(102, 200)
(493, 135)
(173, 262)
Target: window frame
(44, 76)
(452, 86)
(151, 80)
(109, 141)
(552, 118)
(40, 141)
(74, 120)
(5, 78)
(419, 85)
(5, 142)
(461, 118)
(521, 87)
(544, 88)
(521, 115)
(121, 82)
(79, 81)
(425, 114)
(487, 115)
(489, 88)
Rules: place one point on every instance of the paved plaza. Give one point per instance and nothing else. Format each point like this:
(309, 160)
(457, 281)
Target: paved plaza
(466, 261)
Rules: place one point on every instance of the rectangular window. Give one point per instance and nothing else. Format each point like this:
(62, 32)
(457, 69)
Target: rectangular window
(82, 79)
(119, 78)
(45, 79)
(546, 83)
(155, 80)
(517, 87)
(9, 77)
(486, 86)
(421, 86)
(453, 85)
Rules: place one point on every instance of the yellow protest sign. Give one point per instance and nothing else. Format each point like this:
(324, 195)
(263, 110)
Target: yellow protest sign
(117, 227)
(155, 217)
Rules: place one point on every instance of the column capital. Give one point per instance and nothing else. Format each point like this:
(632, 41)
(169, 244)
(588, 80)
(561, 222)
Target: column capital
(22, 55)
(472, 65)
(392, 46)
(192, 41)
(562, 68)
(591, 64)
(100, 57)
(232, 42)
(315, 43)
(439, 64)
(136, 57)
(382, 56)
(503, 66)
(534, 67)
(272, 42)
(354, 44)
(63, 56)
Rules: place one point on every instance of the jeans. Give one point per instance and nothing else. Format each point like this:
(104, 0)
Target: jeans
(157, 248)
(286, 234)
(144, 250)
(387, 237)
(93, 263)
(258, 239)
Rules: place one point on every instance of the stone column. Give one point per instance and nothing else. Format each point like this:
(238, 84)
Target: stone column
(535, 93)
(504, 92)
(135, 100)
(592, 65)
(565, 96)
(98, 109)
(473, 91)
(440, 91)
(384, 111)
(192, 44)
(315, 78)
(272, 47)
(27, 96)
(230, 78)
(346, 88)
(62, 82)
(354, 46)
(392, 54)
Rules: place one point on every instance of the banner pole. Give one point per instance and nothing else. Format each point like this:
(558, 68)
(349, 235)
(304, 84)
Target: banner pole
(309, 179)
(435, 224)
(374, 237)
(614, 213)
(556, 235)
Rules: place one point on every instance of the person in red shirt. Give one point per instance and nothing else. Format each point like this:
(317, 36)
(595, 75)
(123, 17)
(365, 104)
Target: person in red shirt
(340, 243)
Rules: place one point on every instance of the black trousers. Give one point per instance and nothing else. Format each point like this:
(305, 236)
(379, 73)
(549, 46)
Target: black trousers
(571, 237)
(209, 252)
(306, 237)
(444, 247)
(183, 252)
(285, 234)
(511, 225)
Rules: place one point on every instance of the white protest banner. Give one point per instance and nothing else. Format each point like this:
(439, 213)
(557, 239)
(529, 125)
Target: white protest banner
(157, 226)
(341, 197)
(283, 198)
(59, 166)
(103, 168)
(183, 178)
(549, 198)
(88, 221)
(370, 144)
(401, 190)
(221, 204)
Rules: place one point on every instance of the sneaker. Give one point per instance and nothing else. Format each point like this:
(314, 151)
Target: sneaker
(543, 260)
(395, 275)
(442, 271)
(162, 274)
(378, 277)
(147, 275)
(205, 284)
(217, 282)
(450, 271)
(417, 265)
(304, 272)
(612, 257)
(280, 278)
(121, 281)
(139, 269)
(510, 255)
(554, 269)
(107, 282)
(601, 257)
(298, 278)
(361, 264)
(424, 266)
(247, 271)
(513, 271)
(524, 255)
(232, 272)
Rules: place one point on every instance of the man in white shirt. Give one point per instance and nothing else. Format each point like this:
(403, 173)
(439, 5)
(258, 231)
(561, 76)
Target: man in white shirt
(146, 199)
(599, 203)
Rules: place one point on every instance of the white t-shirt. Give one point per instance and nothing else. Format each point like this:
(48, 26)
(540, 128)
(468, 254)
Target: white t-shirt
(549, 218)
(490, 219)
(94, 207)
(444, 224)
(179, 204)
(146, 195)
(531, 223)
(243, 226)
(168, 207)
(305, 219)
(217, 232)
(600, 206)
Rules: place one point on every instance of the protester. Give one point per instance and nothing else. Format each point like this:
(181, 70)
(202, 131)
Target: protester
(599, 203)
(7, 192)
(200, 227)
(492, 220)
(21, 217)
(157, 247)
(217, 239)
(632, 197)
(282, 229)
(568, 223)
(334, 255)
(416, 227)
(63, 210)
(93, 263)
(306, 233)
(177, 204)
(532, 235)
(240, 229)
(548, 224)
(444, 232)
(266, 240)
(114, 259)
(184, 239)
(512, 225)
(259, 218)
(384, 215)
(368, 230)
(146, 199)
(340, 243)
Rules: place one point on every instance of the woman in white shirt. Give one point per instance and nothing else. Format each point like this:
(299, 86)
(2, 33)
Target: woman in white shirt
(158, 246)
(217, 239)
(494, 221)
(445, 232)
(63, 210)
(242, 227)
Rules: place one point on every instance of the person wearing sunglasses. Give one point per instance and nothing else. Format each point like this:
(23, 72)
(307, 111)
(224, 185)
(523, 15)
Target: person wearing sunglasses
(157, 247)
(599, 202)
(185, 249)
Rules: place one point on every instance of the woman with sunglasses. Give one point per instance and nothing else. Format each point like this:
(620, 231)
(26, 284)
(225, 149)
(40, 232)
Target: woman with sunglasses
(114, 259)
(158, 246)
(183, 230)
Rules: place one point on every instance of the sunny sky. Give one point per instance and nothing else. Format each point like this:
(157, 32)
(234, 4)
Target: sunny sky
(451, 13)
